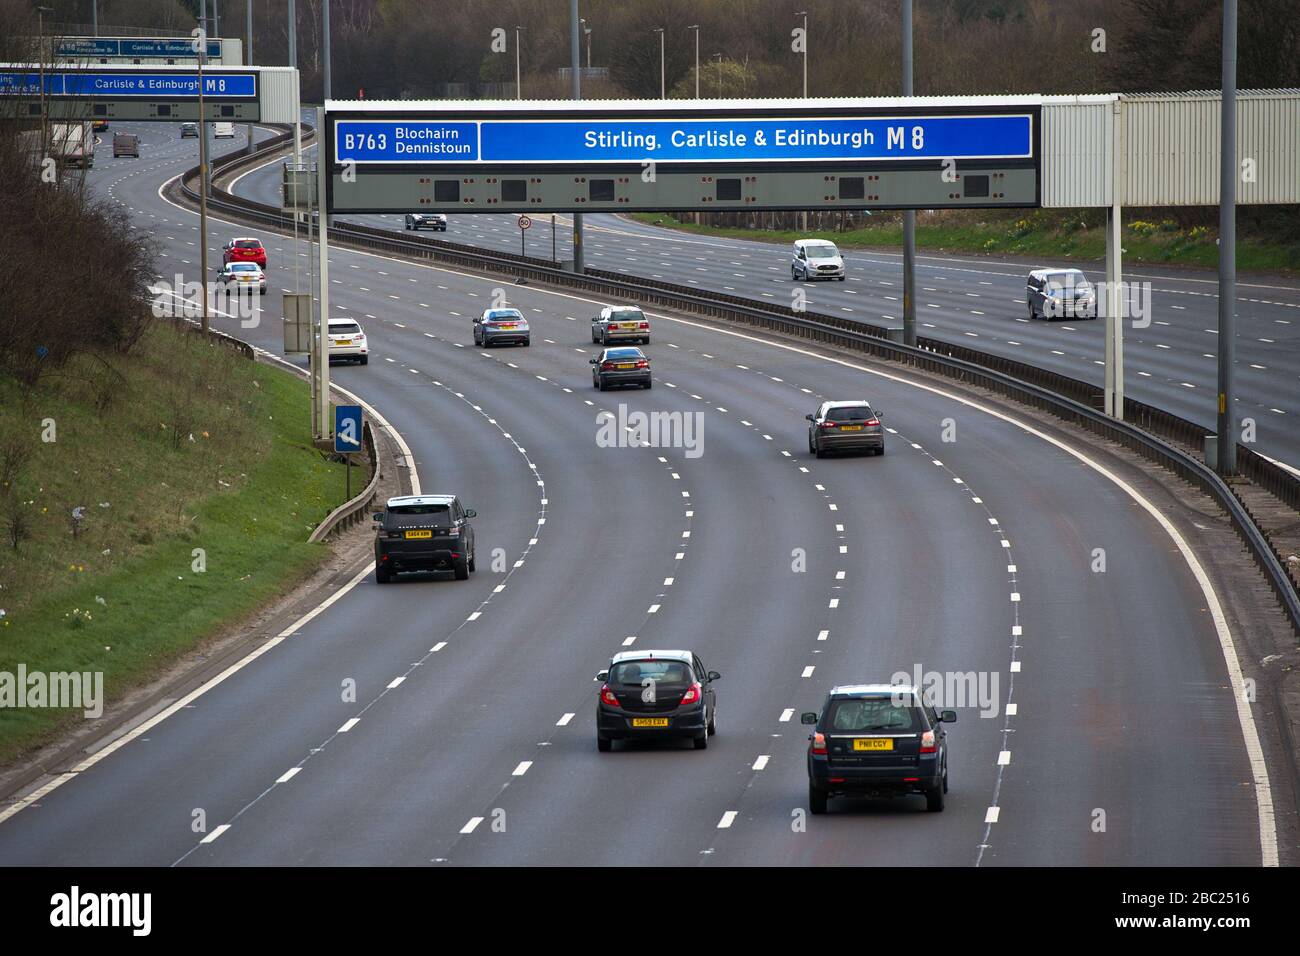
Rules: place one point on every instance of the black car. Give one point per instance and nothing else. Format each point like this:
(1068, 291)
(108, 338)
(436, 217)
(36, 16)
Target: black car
(655, 694)
(877, 740)
(423, 533)
(620, 366)
(427, 220)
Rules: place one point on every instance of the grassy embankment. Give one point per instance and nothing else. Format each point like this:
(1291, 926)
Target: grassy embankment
(1050, 236)
(176, 447)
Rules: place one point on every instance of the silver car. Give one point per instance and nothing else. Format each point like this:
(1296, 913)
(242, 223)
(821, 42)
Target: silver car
(620, 323)
(244, 276)
(500, 327)
(845, 426)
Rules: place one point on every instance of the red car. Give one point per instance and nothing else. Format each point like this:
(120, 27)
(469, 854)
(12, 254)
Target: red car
(244, 250)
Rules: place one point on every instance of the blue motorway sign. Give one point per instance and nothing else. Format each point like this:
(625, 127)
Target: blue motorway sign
(75, 47)
(109, 84)
(347, 428)
(678, 140)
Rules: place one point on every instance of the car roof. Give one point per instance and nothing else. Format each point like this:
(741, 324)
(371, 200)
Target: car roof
(253, 265)
(402, 500)
(1047, 271)
(621, 656)
(623, 305)
(874, 690)
(246, 239)
(338, 321)
(813, 242)
(848, 404)
(503, 310)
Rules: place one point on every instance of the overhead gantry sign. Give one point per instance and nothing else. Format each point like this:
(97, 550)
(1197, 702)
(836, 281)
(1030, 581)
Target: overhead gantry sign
(705, 155)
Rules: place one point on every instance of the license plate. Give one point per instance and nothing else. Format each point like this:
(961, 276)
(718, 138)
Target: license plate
(850, 428)
(649, 721)
(874, 743)
(505, 326)
(627, 365)
(426, 533)
(342, 341)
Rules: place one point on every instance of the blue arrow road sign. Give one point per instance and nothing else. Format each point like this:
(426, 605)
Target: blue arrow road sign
(795, 138)
(347, 428)
(109, 85)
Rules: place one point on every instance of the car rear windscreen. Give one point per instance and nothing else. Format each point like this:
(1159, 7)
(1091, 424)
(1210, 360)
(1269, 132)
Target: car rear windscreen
(627, 315)
(411, 516)
(864, 715)
(344, 328)
(632, 673)
(624, 354)
(248, 244)
(854, 413)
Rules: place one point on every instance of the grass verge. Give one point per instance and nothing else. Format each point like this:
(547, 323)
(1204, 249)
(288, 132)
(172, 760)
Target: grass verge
(199, 486)
(1050, 236)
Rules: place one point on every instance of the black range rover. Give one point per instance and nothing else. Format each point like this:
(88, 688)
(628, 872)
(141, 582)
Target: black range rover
(423, 533)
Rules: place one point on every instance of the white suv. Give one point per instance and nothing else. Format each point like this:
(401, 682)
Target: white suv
(816, 259)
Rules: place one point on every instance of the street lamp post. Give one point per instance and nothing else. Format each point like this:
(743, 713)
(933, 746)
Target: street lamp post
(519, 89)
(40, 55)
(719, 58)
(203, 182)
(248, 58)
(804, 14)
(696, 28)
(663, 94)
(587, 30)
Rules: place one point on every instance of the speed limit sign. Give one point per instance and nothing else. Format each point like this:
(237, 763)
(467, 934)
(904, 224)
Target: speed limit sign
(524, 222)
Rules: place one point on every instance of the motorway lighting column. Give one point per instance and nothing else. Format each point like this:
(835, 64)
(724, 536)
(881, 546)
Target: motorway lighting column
(1227, 428)
(575, 62)
(909, 215)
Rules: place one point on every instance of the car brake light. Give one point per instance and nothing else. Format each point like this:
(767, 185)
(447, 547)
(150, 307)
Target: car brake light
(928, 745)
(819, 744)
(453, 532)
(607, 696)
(873, 421)
(606, 366)
(645, 325)
(829, 425)
(692, 695)
(643, 364)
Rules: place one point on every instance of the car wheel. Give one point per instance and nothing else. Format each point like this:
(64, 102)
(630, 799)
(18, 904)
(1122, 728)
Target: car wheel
(794, 276)
(713, 722)
(647, 383)
(462, 570)
(594, 338)
(646, 340)
(604, 744)
(945, 777)
(811, 447)
(527, 342)
(934, 799)
(382, 575)
(880, 450)
(842, 278)
(471, 561)
(600, 384)
(1031, 311)
(702, 741)
(365, 360)
(820, 452)
(816, 800)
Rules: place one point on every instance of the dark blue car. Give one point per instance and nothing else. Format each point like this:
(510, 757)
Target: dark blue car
(877, 740)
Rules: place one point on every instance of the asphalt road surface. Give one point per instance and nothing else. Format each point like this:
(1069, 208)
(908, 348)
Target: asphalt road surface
(471, 738)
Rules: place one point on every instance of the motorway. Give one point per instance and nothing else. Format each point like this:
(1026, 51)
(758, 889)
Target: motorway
(471, 737)
(979, 303)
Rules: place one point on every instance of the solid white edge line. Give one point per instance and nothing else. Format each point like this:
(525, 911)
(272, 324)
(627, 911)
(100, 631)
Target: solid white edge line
(1250, 734)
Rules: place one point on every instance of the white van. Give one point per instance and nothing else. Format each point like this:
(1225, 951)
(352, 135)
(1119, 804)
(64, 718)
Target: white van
(223, 130)
(816, 259)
